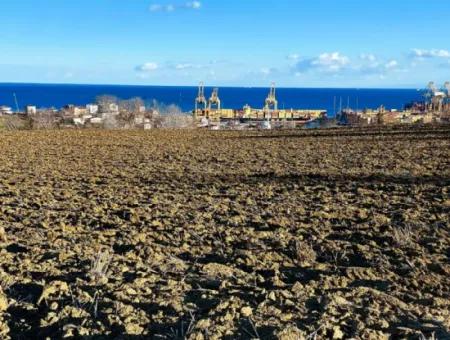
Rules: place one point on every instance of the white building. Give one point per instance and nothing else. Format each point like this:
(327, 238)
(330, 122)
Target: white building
(96, 120)
(30, 110)
(5, 110)
(92, 109)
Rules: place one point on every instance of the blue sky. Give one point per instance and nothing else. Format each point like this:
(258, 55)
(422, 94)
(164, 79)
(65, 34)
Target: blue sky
(295, 43)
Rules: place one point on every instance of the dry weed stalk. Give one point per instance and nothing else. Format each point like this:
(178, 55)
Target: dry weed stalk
(99, 267)
(403, 235)
(3, 237)
(423, 337)
(185, 328)
(304, 252)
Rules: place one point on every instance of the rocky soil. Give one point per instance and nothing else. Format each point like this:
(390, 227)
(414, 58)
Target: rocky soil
(232, 235)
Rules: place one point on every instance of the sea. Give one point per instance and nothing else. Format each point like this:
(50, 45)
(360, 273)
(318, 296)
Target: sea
(329, 99)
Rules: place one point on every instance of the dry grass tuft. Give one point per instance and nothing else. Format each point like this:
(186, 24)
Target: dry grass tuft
(99, 267)
(3, 237)
(403, 236)
(304, 253)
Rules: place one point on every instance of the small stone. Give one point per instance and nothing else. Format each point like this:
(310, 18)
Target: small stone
(340, 301)
(291, 333)
(246, 312)
(272, 296)
(337, 333)
(203, 324)
(133, 329)
(3, 302)
(384, 324)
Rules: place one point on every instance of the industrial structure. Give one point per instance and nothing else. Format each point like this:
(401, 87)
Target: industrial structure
(438, 99)
(212, 112)
(435, 108)
(201, 99)
(214, 100)
(271, 100)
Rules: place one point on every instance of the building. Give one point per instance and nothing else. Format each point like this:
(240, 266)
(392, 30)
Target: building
(6, 110)
(74, 111)
(30, 110)
(92, 109)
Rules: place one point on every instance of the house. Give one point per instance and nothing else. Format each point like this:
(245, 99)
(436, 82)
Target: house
(30, 110)
(6, 110)
(92, 109)
(74, 111)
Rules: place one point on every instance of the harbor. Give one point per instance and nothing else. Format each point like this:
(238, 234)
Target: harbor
(210, 111)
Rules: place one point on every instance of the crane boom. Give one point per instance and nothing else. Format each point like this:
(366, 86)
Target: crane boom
(15, 101)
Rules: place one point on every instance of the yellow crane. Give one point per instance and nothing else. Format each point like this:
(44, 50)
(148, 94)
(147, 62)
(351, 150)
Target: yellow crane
(271, 100)
(201, 99)
(214, 100)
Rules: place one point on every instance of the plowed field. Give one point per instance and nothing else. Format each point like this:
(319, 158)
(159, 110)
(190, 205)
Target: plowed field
(207, 235)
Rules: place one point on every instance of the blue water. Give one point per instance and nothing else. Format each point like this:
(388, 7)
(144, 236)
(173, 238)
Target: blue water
(46, 96)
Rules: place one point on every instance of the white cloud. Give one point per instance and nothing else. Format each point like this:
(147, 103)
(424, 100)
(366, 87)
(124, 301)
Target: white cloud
(193, 4)
(147, 67)
(156, 8)
(330, 62)
(187, 66)
(434, 53)
(183, 66)
(370, 65)
(368, 57)
(171, 7)
(293, 56)
(267, 71)
(337, 63)
(333, 62)
(392, 64)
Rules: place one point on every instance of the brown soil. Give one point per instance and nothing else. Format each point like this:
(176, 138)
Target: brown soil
(207, 235)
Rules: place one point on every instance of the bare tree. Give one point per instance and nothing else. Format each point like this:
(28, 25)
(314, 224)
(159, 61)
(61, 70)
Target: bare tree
(104, 102)
(129, 110)
(45, 119)
(170, 116)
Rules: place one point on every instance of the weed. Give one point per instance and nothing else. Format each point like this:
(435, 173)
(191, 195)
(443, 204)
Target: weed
(403, 236)
(304, 252)
(3, 236)
(99, 267)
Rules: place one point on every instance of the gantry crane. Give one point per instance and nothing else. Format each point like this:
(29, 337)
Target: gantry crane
(201, 99)
(446, 89)
(214, 100)
(271, 100)
(432, 97)
(447, 92)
